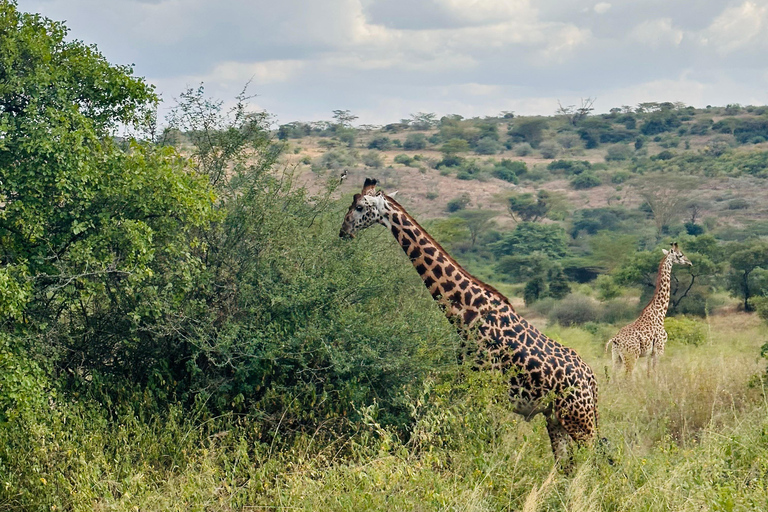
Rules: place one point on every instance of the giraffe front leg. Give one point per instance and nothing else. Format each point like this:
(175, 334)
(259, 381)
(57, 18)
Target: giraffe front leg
(658, 351)
(560, 440)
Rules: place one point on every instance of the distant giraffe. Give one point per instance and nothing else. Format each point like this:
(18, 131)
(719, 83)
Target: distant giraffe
(544, 376)
(646, 337)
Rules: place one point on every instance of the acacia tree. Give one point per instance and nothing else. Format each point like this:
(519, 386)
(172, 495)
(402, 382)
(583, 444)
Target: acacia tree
(526, 208)
(666, 196)
(745, 278)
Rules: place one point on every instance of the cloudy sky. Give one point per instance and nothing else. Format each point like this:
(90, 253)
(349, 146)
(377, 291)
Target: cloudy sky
(386, 59)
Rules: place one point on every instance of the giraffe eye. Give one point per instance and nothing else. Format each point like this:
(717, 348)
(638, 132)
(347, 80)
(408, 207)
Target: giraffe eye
(359, 208)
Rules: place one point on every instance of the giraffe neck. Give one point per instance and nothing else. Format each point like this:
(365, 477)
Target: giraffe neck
(462, 296)
(657, 307)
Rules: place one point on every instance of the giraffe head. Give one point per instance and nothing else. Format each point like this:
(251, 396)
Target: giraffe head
(367, 209)
(678, 258)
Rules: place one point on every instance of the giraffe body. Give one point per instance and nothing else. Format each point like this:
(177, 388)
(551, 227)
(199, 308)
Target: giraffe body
(544, 376)
(646, 336)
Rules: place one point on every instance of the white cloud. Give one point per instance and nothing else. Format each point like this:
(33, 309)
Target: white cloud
(738, 28)
(258, 73)
(602, 7)
(385, 59)
(656, 33)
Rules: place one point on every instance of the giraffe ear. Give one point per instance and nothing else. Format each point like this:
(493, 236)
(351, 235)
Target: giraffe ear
(665, 252)
(393, 194)
(369, 187)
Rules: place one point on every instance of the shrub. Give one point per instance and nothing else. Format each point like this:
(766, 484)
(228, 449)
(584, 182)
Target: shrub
(618, 152)
(335, 159)
(618, 310)
(585, 180)
(685, 330)
(415, 141)
(380, 143)
(575, 309)
(761, 306)
(738, 204)
(620, 177)
(504, 174)
(487, 146)
(432, 195)
(607, 288)
(549, 149)
(458, 203)
(533, 290)
(403, 159)
(570, 167)
(372, 159)
(523, 149)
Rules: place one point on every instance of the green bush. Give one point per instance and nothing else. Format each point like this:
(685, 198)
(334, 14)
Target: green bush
(575, 309)
(619, 152)
(458, 203)
(686, 331)
(585, 180)
(415, 142)
(382, 143)
(372, 159)
(403, 159)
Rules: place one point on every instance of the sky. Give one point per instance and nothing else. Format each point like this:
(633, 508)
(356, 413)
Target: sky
(387, 59)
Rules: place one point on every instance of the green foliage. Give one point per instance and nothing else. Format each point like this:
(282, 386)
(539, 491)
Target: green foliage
(382, 143)
(403, 159)
(458, 203)
(487, 146)
(570, 167)
(585, 180)
(453, 146)
(575, 309)
(529, 237)
(558, 285)
(527, 208)
(533, 290)
(529, 130)
(549, 149)
(686, 331)
(592, 220)
(660, 122)
(619, 152)
(509, 170)
(334, 159)
(478, 222)
(415, 142)
(520, 267)
(372, 159)
(607, 288)
(748, 273)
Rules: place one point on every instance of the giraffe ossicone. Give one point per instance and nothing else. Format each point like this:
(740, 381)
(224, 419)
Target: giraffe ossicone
(544, 376)
(646, 336)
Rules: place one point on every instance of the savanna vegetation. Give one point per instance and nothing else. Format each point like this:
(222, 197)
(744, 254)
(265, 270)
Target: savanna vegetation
(183, 329)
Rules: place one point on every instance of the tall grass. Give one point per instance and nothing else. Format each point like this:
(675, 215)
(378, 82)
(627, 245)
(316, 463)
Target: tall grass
(693, 437)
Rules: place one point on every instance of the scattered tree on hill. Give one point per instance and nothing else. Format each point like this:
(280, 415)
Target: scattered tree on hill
(530, 130)
(573, 113)
(749, 270)
(423, 120)
(524, 207)
(666, 196)
(477, 222)
(344, 118)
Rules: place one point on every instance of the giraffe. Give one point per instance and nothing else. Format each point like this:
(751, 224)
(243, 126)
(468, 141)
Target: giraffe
(544, 376)
(646, 337)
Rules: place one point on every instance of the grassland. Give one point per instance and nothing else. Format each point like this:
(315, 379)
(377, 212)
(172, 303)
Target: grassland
(692, 438)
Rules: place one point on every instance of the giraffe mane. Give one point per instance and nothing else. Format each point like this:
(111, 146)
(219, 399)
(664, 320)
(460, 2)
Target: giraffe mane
(448, 257)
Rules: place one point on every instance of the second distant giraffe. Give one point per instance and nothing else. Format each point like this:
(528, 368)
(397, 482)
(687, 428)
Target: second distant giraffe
(646, 337)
